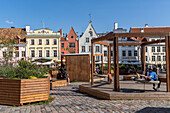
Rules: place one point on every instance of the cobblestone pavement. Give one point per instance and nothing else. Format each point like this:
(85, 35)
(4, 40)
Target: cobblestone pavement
(69, 100)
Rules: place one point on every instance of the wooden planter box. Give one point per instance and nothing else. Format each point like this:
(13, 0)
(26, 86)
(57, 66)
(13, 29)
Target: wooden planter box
(20, 91)
(58, 83)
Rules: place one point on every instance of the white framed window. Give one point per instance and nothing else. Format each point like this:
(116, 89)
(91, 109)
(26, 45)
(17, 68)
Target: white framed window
(47, 53)
(32, 42)
(32, 53)
(17, 54)
(105, 53)
(158, 49)
(54, 53)
(62, 45)
(40, 53)
(163, 49)
(146, 58)
(146, 49)
(47, 42)
(55, 41)
(129, 53)
(97, 49)
(153, 49)
(159, 58)
(123, 53)
(135, 53)
(23, 53)
(40, 42)
(4, 53)
(83, 49)
(164, 58)
(153, 58)
(71, 45)
(89, 48)
(87, 40)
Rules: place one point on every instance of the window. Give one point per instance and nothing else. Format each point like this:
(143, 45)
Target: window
(129, 53)
(135, 53)
(62, 53)
(55, 53)
(153, 40)
(83, 49)
(32, 53)
(10, 53)
(55, 41)
(163, 49)
(97, 58)
(123, 53)
(97, 48)
(111, 53)
(159, 58)
(89, 48)
(158, 49)
(146, 49)
(87, 39)
(17, 54)
(62, 45)
(146, 58)
(4, 54)
(72, 36)
(32, 41)
(40, 53)
(91, 33)
(47, 53)
(153, 49)
(40, 41)
(153, 58)
(23, 53)
(72, 45)
(105, 53)
(164, 58)
(47, 42)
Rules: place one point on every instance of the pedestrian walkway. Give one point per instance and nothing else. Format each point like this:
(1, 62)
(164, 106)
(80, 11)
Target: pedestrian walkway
(69, 100)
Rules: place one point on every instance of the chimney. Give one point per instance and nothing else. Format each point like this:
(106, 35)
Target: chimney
(77, 33)
(115, 25)
(27, 29)
(61, 32)
(146, 25)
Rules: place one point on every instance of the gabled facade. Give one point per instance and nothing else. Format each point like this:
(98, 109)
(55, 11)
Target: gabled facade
(70, 43)
(43, 43)
(85, 41)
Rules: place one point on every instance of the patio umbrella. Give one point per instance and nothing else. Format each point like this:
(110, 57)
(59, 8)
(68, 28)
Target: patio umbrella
(42, 60)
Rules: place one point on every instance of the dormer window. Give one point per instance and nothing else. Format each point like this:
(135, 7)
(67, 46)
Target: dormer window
(91, 33)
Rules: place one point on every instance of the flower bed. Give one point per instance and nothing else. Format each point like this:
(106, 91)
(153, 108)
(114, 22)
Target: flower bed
(20, 91)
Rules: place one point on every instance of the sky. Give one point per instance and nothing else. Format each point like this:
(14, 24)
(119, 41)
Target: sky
(65, 14)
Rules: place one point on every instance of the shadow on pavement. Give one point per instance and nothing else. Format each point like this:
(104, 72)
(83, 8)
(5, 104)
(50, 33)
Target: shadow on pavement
(154, 110)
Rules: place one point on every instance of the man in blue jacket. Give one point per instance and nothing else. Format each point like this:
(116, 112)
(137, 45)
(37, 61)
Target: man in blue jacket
(151, 77)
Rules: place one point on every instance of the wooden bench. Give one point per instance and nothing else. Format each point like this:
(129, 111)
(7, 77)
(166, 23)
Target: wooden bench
(55, 83)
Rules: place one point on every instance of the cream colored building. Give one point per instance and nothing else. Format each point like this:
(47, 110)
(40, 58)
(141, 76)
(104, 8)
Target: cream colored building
(43, 43)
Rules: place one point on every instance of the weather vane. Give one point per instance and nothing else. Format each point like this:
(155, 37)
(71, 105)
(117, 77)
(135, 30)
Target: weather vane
(90, 17)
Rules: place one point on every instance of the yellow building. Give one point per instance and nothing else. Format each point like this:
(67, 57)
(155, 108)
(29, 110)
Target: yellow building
(43, 44)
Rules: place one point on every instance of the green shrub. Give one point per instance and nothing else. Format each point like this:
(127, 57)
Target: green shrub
(23, 71)
(122, 66)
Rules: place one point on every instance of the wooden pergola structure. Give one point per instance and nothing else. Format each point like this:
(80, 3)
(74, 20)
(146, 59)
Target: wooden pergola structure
(113, 37)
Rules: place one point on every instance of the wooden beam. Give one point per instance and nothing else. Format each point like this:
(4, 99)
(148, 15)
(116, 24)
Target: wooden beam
(109, 59)
(92, 64)
(102, 62)
(154, 42)
(167, 44)
(116, 64)
(143, 58)
(97, 54)
(108, 36)
(102, 43)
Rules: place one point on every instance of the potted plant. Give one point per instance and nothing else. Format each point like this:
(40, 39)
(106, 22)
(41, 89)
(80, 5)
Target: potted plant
(24, 83)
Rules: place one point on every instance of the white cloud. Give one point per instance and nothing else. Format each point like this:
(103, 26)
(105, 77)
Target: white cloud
(9, 22)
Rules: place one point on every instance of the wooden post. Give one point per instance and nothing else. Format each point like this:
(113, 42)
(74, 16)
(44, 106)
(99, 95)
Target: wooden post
(109, 59)
(92, 65)
(116, 63)
(143, 58)
(167, 44)
(102, 62)
(61, 61)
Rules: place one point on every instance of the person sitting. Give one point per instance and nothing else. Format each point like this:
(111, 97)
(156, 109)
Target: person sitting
(151, 77)
(66, 76)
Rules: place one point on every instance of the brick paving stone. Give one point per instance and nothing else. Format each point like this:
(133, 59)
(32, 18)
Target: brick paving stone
(69, 100)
